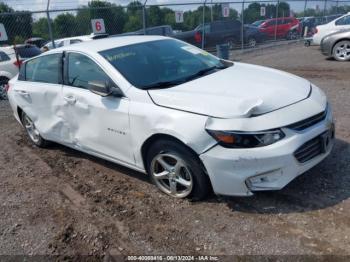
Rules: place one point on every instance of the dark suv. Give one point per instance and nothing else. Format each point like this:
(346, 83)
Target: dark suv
(220, 32)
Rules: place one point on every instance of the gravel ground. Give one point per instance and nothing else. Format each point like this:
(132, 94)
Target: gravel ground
(58, 201)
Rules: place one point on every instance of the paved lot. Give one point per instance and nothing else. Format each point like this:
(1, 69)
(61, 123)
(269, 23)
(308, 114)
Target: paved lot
(60, 201)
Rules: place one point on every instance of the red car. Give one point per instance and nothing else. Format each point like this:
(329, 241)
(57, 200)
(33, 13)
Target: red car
(284, 27)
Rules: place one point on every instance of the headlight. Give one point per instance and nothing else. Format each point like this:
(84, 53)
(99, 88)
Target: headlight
(233, 139)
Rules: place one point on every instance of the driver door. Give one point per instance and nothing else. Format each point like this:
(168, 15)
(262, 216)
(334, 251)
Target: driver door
(97, 124)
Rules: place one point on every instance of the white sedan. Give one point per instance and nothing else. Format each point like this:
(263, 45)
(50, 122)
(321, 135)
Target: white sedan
(193, 122)
(339, 24)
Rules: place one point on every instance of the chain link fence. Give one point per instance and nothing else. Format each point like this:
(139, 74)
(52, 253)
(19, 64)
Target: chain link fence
(238, 24)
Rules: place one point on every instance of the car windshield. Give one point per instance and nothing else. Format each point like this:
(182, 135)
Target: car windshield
(161, 63)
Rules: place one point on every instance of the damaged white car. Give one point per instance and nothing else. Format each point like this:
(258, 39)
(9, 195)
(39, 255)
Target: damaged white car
(193, 122)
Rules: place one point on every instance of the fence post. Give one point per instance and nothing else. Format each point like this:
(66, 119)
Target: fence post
(242, 29)
(144, 16)
(276, 23)
(203, 22)
(302, 33)
(211, 11)
(325, 10)
(49, 24)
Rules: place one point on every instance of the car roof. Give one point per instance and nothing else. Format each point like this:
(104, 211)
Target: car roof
(108, 43)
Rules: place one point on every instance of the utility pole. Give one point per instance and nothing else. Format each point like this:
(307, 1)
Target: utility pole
(242, 26)
(49, 23)
(203, 22)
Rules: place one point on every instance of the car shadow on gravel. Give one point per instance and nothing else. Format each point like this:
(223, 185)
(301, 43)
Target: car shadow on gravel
(325, 185)
(72, 153)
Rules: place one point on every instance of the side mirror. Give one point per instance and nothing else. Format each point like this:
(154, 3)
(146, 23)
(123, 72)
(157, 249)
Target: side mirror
(104, 88)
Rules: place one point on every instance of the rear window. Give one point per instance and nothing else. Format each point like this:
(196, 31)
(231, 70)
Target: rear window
(28, 51)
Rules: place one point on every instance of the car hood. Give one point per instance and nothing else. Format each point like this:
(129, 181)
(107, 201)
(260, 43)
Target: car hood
(238, 91)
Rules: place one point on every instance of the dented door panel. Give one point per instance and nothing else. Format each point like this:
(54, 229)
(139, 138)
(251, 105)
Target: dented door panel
(97, 124)
(42, 102)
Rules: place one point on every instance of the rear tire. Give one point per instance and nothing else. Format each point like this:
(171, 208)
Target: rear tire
(32, 132)
(177, 171)
(252, 42)
(232, 42)
(3, 93)
(341, 51)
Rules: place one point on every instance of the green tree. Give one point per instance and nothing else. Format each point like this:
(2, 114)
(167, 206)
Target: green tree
(252, 12)
(155, 16)
(40, 28)
(134, 23)
(65, 25)
(113, 15)
(16, 24)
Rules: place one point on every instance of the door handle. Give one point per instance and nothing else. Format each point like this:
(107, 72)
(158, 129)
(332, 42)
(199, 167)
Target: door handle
(70, 99)
(22, 93)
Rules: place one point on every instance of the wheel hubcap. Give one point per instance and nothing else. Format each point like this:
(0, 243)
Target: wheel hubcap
(172, 175)
(252, 43)
(31, 129)
(342, 51)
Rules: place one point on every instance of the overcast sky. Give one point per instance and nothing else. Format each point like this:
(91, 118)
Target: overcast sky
(36, 5)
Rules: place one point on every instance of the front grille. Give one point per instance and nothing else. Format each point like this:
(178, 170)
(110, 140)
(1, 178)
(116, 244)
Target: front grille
(303, 124)
(310, 149)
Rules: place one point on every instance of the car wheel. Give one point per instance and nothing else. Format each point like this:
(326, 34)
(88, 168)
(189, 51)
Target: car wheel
(341, 51)
(292, 35)
(3, 83)
(252, 42)
(232, 43)
(33, 132)
(177, 171)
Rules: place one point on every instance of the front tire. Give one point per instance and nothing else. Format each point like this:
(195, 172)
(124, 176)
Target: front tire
(292, 35)
(177, 171)
(33, 132)
(341, 51)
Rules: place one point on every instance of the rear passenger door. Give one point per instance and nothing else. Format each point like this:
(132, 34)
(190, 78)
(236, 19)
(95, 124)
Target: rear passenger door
(97, 124)
(38, 94)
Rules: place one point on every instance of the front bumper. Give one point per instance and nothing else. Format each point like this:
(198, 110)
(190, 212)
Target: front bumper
(240, 172)
(326, 48)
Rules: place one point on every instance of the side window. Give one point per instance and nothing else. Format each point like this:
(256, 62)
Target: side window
(45, 69)
(4, 57)
(82, 69)
(75, 41)
(343, 21)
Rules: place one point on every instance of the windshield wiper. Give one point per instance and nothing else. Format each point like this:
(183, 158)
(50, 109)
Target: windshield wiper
(164, 84)
(204, 71)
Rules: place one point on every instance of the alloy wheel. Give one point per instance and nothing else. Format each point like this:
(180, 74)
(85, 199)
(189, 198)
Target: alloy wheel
(31, 129)
(252, 43)
(342, 51)
(172, 175)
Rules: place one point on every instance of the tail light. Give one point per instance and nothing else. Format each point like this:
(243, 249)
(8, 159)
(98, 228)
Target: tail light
(197, 37)
(18, 63)
(316, 30)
